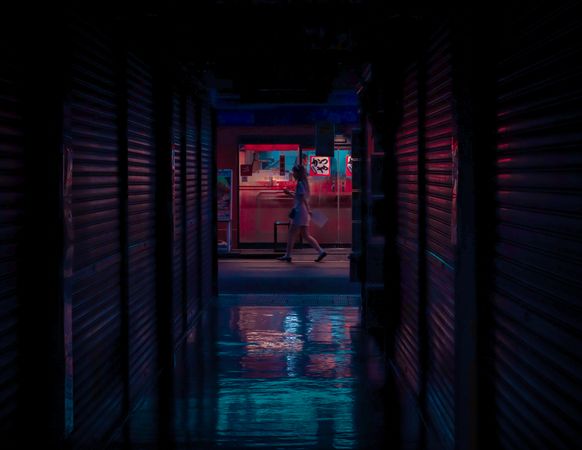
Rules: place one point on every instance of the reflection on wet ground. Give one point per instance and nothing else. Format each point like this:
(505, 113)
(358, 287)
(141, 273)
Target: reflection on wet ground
(287, 375)
(272, 377)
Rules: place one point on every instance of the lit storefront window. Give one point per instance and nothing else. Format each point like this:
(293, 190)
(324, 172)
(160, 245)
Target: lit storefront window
(265, 171)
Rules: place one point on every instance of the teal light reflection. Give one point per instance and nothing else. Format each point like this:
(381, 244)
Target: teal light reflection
(290, 384)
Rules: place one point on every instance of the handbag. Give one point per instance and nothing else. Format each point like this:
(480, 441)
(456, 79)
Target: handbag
(292, 213)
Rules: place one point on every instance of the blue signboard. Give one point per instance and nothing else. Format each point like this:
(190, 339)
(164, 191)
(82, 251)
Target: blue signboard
(288, 115)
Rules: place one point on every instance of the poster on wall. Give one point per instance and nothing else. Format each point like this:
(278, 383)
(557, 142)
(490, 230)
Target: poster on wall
(319, 166)
(224, 195)
(348, 165)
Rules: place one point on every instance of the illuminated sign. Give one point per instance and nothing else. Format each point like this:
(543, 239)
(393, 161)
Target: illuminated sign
(348, 165)
(320, 166)
(224, 195)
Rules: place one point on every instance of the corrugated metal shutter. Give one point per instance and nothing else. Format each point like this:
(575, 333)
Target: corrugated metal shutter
(178, 273)
(407, 355)
(12, 180)
(440, 257)
(98, 380)
(141, 226)
(206, 234)
(538, 276)
(192, 212)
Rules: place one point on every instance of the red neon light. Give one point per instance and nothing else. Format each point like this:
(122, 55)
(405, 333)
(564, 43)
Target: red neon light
(269, 147)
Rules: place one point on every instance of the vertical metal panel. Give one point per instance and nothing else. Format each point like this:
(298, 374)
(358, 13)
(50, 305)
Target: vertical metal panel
(406, 148)
(163, 105)
(356, 254)
(440, 265)
(192, 212)
(141, 226)
(177, 263)
(538, 345)
(207, 221)
(98, 378)
(12, 180)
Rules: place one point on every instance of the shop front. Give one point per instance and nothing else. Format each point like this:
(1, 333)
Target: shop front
(265, 170)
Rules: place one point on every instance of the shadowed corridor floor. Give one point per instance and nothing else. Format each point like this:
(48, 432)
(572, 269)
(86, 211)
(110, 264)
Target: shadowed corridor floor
(277, 370)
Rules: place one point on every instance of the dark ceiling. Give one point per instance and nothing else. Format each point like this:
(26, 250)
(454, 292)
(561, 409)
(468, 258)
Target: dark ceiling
(279, 51)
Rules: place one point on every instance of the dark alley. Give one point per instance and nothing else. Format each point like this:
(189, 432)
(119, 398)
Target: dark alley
(291, 224)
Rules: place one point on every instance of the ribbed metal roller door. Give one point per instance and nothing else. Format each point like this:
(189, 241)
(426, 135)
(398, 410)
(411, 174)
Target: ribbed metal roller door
(192, 212)
(440, 265)
(407, 355)
(141, 226)
(12, 200)
(98, 384)
(178, 242)
(538, 276)
(206, 177)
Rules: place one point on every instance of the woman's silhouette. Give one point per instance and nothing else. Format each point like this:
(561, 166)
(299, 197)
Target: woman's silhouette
(301, 219)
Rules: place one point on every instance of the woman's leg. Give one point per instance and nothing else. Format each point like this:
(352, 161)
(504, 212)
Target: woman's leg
(312, 241)
(291, 238)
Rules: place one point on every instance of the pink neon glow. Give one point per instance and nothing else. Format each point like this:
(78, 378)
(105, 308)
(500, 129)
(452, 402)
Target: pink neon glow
(270, 147)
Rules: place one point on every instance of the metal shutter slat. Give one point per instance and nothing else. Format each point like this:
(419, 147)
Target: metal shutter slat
(406, 150)
(440, 253)
(12, 187)
(141, 227)
(537, 259)
(98, 382)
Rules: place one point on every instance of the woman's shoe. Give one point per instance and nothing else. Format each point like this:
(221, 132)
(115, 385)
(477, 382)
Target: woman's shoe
(321, 256)
(284, 258)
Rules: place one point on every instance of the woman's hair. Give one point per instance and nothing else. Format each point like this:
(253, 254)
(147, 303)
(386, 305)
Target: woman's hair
(301, 172)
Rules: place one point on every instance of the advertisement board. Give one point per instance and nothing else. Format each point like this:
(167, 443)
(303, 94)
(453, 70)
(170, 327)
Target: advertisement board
(319, 166)
(224, 195)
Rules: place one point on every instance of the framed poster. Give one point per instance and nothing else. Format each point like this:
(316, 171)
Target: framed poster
(319, 166)
(224, 195)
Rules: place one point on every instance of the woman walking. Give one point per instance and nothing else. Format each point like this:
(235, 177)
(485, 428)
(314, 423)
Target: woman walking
(301, 218)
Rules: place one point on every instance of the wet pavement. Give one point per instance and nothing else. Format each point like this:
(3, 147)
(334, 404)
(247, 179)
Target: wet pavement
(275, 371)
(274, 377)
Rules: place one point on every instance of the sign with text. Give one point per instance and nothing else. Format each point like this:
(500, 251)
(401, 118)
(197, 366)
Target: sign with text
(319, 166)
